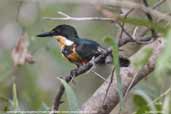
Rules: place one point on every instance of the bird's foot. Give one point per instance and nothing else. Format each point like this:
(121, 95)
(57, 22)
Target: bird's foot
(92, 61)
(73, 74)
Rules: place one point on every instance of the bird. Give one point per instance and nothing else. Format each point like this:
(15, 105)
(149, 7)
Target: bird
(79, 50)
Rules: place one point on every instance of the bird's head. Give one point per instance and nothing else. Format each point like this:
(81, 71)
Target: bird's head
(64, 34)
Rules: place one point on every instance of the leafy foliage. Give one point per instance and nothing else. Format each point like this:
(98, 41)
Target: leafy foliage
(164, 61)
(15, 103)
(143, 102)
(71, 97)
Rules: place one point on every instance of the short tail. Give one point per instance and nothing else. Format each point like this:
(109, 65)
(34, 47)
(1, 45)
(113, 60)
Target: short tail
(124, 62)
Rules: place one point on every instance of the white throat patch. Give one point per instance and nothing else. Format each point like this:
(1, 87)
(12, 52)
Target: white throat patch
(68, 42)
(64, 41)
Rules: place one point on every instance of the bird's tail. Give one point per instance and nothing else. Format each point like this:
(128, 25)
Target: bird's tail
(124, 62)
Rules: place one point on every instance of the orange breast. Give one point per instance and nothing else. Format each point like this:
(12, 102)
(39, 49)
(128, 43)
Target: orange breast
(74, 57)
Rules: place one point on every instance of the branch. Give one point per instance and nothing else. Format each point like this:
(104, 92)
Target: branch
(150, 18)
(95, 102)
(78, 71)
(69, 18)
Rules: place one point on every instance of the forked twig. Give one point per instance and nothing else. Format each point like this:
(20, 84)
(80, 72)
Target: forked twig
(67, 17)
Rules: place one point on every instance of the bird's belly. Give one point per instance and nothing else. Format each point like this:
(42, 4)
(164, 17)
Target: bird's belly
(71, 54)
(75, 58)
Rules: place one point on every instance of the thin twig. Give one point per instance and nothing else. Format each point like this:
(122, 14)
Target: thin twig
(98, 75)
(64, 14)
(122, 24)
(108, 87)
(150, 18)
(67, 17)
(130, 86)
(158, 4)
(80, 19)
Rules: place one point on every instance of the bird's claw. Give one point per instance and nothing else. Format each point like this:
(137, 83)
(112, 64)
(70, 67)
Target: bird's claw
(73, 74)
(92, 61)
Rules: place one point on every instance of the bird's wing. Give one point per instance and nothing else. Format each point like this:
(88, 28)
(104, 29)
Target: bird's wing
(87, 49)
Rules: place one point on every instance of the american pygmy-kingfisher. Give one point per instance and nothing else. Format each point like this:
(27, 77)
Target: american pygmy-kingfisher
(78, 50)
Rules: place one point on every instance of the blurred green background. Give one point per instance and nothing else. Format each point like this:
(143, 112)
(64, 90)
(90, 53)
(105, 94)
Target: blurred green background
(36, 84)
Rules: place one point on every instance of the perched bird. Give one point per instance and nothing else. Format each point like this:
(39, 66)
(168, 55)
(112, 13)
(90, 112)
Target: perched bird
(78, 50)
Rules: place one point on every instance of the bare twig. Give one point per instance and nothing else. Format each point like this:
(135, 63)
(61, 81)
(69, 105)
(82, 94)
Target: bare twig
(111, 80)
(122, 24)
(98, 75)
(67, 17)
(158, 4)
(130, 86)
(162, 95)
(153, 32)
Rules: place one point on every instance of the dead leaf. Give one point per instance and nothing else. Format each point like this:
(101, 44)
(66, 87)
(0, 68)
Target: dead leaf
(20, 54)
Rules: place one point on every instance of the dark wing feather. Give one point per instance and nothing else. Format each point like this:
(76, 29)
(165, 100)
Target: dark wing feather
(87, 49)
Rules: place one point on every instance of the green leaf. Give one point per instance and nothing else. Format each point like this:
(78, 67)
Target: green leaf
(15, 99)
(5, 65)
(144, 22)
(142, 57)
(116, 63)
(166, 105)
(163, 63)
(71, 97)
(143, 102)
(45, 108)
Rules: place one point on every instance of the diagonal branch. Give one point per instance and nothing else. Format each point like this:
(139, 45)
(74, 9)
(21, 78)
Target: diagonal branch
(95, 103)
(78, 71)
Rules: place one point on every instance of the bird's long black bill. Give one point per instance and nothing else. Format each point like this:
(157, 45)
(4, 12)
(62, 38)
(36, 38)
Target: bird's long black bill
(45, 34)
